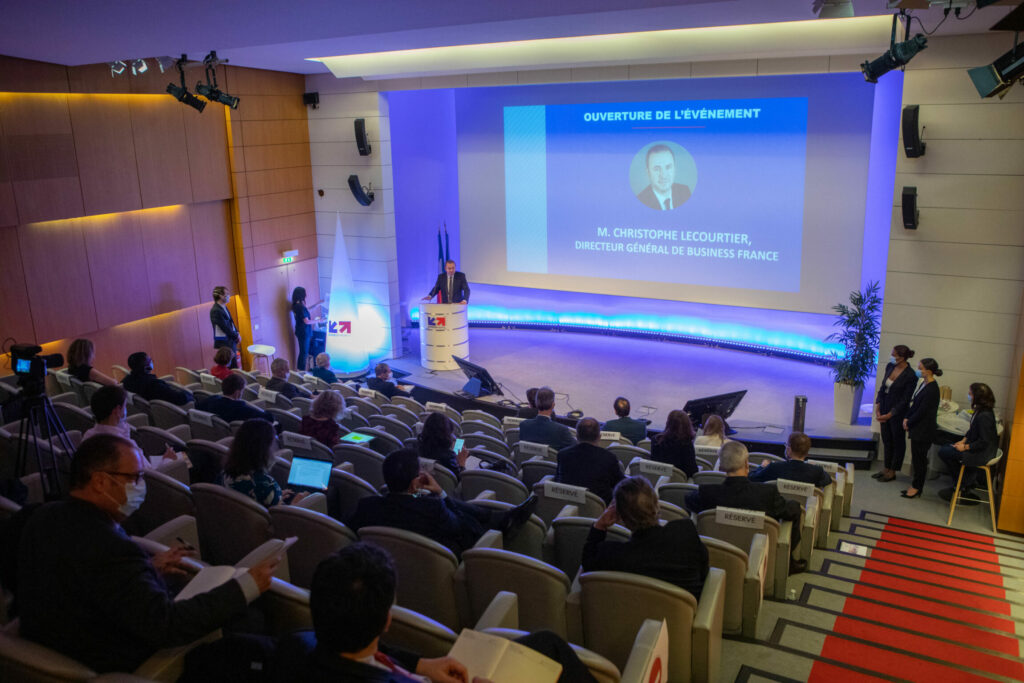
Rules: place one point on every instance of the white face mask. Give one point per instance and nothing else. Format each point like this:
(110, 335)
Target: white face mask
(893, 360)
(134, 494)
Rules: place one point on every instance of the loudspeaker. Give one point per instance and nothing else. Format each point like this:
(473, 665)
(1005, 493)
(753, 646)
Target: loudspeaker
(363, 197)
(910, 211)
(361, 142)
(311, 98)
(912, 145)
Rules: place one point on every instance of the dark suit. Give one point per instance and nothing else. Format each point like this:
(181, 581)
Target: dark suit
(672, 553)
(152, 388)
(285, 387)
(921, 426)
(679, 454)
(634, 430)
(460, 288)
(895, 401)
(680, 193)
(793, 470)
(387, 388)
(982, 442)
(220, 317)
(86, 590)
(542, 429)
(298, 659)
(743, 494)
(591, 466)
(324, 374)
(231, 409)
(452, 523)
(526, 412)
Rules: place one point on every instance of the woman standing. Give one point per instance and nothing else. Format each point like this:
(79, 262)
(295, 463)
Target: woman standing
(891, 407)
(303, 322)
(978, 446)
(675, 443)
(920, 422)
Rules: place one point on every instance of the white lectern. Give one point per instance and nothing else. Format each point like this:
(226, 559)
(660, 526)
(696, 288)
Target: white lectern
(444, 332)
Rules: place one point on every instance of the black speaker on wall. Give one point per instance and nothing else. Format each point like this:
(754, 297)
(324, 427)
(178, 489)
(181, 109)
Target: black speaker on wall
(910, 212)
(912, 145)
(364, 197)
(361, 142)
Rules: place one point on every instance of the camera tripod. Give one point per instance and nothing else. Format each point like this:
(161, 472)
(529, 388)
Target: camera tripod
(40, 428)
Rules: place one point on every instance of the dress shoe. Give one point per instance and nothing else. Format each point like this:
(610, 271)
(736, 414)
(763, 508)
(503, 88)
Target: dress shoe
(519, 515)
(905, 495)
(797, 566)
(887, 478)
(878, 475)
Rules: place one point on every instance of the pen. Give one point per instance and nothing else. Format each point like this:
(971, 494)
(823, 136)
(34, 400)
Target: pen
(184, 544)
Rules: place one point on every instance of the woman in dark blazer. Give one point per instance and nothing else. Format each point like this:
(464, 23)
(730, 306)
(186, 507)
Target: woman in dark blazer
(891, 407)
(675, 443)
(920, 422)
(978, 446)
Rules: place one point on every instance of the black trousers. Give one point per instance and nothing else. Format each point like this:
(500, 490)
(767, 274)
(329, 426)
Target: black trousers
(919, 459)
(953, 459)
(303, 344)
(894, 442)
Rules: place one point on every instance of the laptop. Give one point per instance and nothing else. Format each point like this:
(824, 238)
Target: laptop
(357, 438)
(309, 474)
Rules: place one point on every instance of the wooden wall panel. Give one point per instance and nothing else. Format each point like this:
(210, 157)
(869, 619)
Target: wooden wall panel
(280, 180)
(280, 204)
(263, 82)
(15, 314)
(106, 154)
(170, 258)
(117, 264)
(274, 321)
(278, 229)
(96, 78)
(276, 156)
(214, 248)
(8, 208)
(207, 138)
(160, 153)
(175, 339)
(61, 297)
(26, 75)
(269, 255)
(274, 132)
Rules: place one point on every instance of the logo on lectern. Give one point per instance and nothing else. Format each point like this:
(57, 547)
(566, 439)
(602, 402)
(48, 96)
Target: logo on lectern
(435, 322)
(339, 327)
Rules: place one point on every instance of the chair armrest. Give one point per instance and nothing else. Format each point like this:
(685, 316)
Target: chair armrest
(707, 627)
(838, 499)
(811, 521)
(503, 612)
(484, 495)
(286, 608)
(783, 554)
(316, 502)
(67, 397)
(346, 467)
(25, 657)
(138, 420)
(848, 494)
(34, 483)
(183, 526)
(491, 539)
(574, 610)
(175, 469)
(645, 642)
(168, 664)
(568, 511)
(753, 584)
(183, 432)
(825, 521)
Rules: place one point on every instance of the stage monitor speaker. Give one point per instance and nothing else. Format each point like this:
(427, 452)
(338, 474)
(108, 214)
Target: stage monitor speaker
(912, 145)
(361, 142)
(311, 99)
(910, 212)
(364, 197)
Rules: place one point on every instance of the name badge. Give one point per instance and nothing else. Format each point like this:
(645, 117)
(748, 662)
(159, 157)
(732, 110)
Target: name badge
(532, 449)
(747, 519)
(574, 494)
(200, 417)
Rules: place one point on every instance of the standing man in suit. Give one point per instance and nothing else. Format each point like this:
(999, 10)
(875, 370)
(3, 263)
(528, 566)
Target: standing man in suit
(795, 468)
(664, 193)
(224, 331)
(542, 429)
(452, 285)
(587, 464)
(634, 430)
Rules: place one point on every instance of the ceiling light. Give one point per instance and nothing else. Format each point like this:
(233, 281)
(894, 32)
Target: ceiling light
(209, 90)
(139, 66)
(896, 56)
(117, 68)
(181, 93)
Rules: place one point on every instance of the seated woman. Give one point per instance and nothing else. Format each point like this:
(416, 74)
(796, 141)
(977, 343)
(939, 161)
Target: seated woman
(222, 359)
(979, 445)
(436, 441)
(81, 356)
(675, 443)
(672, 553)
(321, 422)
(248, 464)
(713, 433)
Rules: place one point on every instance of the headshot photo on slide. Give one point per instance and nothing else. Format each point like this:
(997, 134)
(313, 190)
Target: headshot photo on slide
(663, 175)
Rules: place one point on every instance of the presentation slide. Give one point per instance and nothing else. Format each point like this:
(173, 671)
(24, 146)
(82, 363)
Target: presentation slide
(650, 190)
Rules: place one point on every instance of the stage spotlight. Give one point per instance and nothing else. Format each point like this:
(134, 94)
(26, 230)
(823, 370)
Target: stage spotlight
(181, 93)
(209, 90)
(139, 66)
(896, 56)
(999, 76)
(117, 68)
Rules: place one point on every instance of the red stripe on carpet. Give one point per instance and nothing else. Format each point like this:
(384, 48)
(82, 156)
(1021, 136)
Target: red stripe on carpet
(873, 566)
(954, 543)
(897, 591)
(929, 647)
(937, 556)
(968, 635)
(939, 569)
(901, 537)
(942, 531)
(823, 672)
(897, 665)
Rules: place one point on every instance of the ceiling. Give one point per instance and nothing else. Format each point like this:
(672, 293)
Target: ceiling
(272, 34)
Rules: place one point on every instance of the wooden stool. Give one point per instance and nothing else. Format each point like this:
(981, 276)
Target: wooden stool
(991, 493)
(264, 351)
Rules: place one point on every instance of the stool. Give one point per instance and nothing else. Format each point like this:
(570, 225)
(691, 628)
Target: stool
(991, 493)
(264, 351)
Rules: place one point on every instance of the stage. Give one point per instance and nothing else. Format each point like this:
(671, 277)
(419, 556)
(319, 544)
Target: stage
(588, 371)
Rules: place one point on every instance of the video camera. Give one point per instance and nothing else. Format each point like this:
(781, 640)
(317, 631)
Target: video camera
(30, 366)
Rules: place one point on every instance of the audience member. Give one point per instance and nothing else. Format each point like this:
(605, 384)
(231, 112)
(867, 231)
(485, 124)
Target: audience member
(542, 429)
(634, 430)
(109, 406)
(382, 382)
(672, 553)
(530, 409)
(674, 444)
(798, 445)
(229, 406)
(248, 465)
(435, 443)
(81, 356)
(225, 334)
(978, 446)
(321, 423)
(86, 590)
(323, 369)
(452, 523)
(279, 368)
(737, 491)
(587, 464)
(713, 433)
(222, 358)
(143, 382)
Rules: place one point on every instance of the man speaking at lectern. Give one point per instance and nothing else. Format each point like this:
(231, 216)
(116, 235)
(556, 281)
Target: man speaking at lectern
(452, 285)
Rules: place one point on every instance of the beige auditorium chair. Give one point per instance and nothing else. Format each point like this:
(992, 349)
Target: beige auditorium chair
(154, 441)
(305, 446)
(482, 416)
(289, 421)
(73, 417)
(208, 459)
(166, 499)
(739, 526)
(532, 471)
(626, 453)
(676, 493)
(392, 425)
(344, 491)
(654, 471)
(207, 426)
(528, 539)
(567, 534)
(377, 398)
(401, 413)
(318, 536)
(839, 475)
(230, 524)
(166, 415)
(367, 464)
(351, 420)
(528, 450)
(506, 488)
(383, 442)
(489, 443)
(744, 582)
(554, 496)
(815, 523)
(362, 405)
(444, 408)
(304, 405)
(409, 403)
(704, 477)
(485, 428)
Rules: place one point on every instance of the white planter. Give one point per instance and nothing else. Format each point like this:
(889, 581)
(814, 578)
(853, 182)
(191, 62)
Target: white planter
(846, 402)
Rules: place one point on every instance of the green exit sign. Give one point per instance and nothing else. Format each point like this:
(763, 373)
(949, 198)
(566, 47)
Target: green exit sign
(287, 259)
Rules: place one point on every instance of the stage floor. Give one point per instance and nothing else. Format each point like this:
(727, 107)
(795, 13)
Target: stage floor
(594, 369)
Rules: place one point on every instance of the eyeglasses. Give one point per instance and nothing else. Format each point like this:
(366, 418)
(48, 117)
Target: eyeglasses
(137, 476)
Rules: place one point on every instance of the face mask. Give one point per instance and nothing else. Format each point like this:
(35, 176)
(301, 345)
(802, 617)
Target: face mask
(970, 399)
(918, 373)
(892, 359)
(134, 495)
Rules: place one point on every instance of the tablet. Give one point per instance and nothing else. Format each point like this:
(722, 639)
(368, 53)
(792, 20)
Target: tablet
(310, 473)
(356, 437)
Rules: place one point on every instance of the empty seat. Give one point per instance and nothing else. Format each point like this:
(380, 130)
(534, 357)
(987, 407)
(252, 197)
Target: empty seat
(708, 477)
(318, 536)
(344, 491)
(653, 471)
(377, 398)
(408, 402)
(527, 450)
(346, 390)
(481, 416)
(627, 453)
(305, 405)
(231, 525)
(305, 446)
(676, 493)
(166, 415)
(363, 406)
(528, 540)
(401, 413)
(166, 499)
(366, 463)
(352, 420)
(208, 458)
(554, 496)
(506, 488)
(288, 420)
(744, 581)
(443, 408)
(383, 442)
(484, 428)
(73, 417)
(810, 499)
(490, 443)
(534, 470)
(207, 426)
(391, 425)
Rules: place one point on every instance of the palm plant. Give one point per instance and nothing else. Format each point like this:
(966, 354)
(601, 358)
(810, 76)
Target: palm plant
(859, 330)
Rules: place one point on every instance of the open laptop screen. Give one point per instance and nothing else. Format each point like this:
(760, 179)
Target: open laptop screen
(310, 473)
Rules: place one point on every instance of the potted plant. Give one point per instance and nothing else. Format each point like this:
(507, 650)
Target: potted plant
(859, 329)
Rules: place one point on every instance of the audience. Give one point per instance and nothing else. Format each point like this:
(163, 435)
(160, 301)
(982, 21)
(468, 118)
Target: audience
(89, 592)
(737, 491)
(435, 443)
(530, 409)
(143, 382)
(795, 468)
(248, 465)
(222, 358)
(672, 553)
(279, 368)
(674, 444)
(321, 423)
(382, 382)
(109, 406)
(713, 433)
(634, 430)
(978, 446)
(416, 502)
(229, 406)
(323, 369)
(587, 464)
(81, 356)
(542, 429)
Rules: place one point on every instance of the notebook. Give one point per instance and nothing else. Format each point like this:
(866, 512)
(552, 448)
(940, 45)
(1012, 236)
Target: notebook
(309, 474)
(357, 438)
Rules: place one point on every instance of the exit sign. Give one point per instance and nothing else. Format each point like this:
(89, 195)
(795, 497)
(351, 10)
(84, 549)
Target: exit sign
(287, 259)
